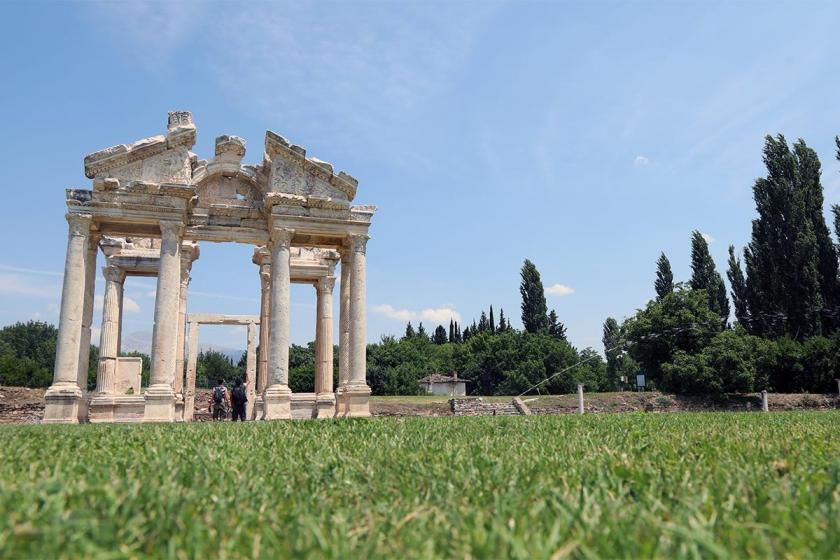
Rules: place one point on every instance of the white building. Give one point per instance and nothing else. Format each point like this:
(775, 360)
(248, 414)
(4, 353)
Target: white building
(437, 384)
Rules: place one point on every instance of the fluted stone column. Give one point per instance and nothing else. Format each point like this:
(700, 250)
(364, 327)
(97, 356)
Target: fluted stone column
(325, 396)
(106, 375)
(160, 398)
(265, 307)
(87, 318)
(192, 363)
(357, 391)
(178, 385)
(343, 334)
(64, 396)
(277, 397)
(251, 369)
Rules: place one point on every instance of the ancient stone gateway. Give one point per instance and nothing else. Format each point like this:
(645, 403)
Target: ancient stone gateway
(150, 205)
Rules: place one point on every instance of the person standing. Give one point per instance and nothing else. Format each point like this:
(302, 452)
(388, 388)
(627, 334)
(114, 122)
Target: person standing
(238, 398)
(220, 400)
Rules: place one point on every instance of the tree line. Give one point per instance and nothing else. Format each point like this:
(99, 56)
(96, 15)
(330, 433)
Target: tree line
(785, 298)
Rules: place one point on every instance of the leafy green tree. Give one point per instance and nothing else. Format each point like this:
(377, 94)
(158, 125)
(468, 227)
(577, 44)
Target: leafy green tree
(612, 348)
(212, 365)
(28, 354)
(664, 283)
(555, 327)
(728, 364)
(146, 367)
(421, 332)
(783, 257)
(704, 276)
(534, 308)
(681, 321)
(439, 336)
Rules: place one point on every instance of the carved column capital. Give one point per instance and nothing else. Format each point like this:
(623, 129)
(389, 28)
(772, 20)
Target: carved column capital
(171, 229)
(80, 224)
(358, 243)
(282, 236)
(325, 284)
(114, 274)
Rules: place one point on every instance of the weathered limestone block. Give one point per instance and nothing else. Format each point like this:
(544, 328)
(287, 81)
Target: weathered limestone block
(129, 370)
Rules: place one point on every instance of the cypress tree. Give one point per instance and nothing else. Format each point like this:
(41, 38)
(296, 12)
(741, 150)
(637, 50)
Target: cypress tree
(421, 331)
(534, 308)
(492, 322)
(739, 289)
(409, 331)
(483, 325)
(440, 335)
(458, 336)
(451, 330)
(704, 276)
(465, 336)
(664, 283)
(502, 323)
(782, 258)
(555, 327)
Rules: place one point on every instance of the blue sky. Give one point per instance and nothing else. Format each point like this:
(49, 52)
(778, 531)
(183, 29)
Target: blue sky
(586, 136)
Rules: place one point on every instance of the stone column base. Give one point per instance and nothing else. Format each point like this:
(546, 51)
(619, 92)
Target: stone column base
(257, 412)
(357, 401)
(340, 402)
(63, 403)
(160, 404)
(179, 407)
(117, 408)
(277, 403)
(325, 405)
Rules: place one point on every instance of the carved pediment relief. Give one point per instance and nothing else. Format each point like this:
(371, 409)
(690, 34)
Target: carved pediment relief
(159, 159)
(304, 181)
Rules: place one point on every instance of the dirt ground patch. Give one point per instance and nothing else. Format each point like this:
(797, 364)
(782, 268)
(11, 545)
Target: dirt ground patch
(19, 405)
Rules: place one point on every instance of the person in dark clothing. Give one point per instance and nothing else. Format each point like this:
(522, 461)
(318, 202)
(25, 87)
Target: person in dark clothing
(238, 398)
(219, 400)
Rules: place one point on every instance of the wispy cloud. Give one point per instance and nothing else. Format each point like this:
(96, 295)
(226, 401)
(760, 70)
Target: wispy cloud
(15, 285)
(641, 161)
(435, 315)
(559, 290)
(30, 270)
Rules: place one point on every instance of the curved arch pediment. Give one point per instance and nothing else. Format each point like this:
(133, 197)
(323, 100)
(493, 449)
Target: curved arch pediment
(224, 186)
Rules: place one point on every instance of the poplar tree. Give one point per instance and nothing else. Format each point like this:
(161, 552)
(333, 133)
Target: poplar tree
(739, 289)
(534, 308)
(451, 330)
(704, 276)
(492, 322)
(783, 257)
(664, 283)
(612, 340)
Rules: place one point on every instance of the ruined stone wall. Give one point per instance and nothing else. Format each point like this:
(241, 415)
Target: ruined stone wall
(475, 406)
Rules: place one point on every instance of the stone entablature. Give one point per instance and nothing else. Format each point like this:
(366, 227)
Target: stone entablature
(150, 204)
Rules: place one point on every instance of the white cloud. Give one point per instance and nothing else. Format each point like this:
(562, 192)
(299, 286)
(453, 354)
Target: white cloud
(392, 313)
(559, 290)
(432, 315)
(707, 237)
(440, 315)
(130, 306)
(641, 161)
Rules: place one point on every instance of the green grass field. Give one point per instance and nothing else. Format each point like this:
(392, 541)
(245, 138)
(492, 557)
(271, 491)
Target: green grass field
(634, 485)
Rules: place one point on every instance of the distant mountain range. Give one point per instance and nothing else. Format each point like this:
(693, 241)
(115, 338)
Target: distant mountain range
(142, 342)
